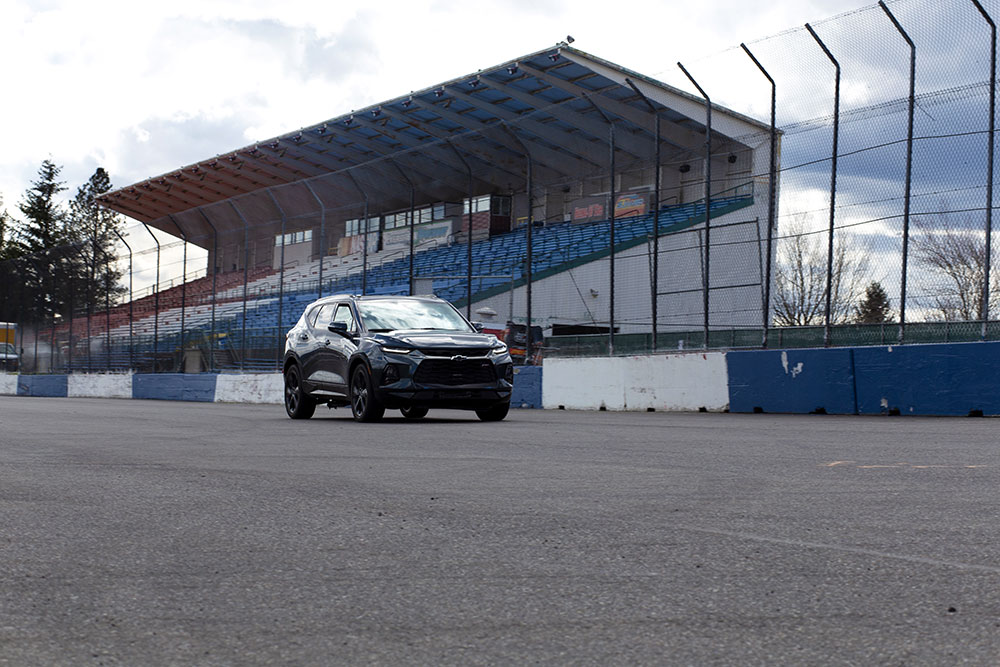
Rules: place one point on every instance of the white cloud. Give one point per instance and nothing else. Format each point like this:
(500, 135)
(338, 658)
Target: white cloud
(142, 88)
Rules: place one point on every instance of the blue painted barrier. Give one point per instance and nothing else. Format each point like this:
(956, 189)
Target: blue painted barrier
(527, 387)
(174, 386)
(797, 381)
(940, 379)
(54, 386)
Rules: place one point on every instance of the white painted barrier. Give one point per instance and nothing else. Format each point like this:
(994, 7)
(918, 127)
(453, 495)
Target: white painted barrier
(8, 384)
(250, 388)
(673, 382)
(112, 385)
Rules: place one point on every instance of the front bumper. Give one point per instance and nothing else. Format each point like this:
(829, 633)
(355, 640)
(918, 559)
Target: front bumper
(457, 398)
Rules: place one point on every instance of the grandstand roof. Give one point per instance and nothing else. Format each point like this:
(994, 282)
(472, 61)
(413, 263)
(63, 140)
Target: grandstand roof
(554, 103)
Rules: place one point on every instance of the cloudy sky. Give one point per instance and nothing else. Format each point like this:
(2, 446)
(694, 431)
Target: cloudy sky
(143, 88)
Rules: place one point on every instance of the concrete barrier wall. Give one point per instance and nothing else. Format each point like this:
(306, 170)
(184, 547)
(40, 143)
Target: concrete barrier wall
(941, 379)
(42, 385)
(527, 387)
(663, 382)
(250, 388)
(174, 386)
(944, 379)
(100, 386)
(798, 381)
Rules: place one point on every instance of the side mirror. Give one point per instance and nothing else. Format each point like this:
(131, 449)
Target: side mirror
(478, 326)
(338, 328)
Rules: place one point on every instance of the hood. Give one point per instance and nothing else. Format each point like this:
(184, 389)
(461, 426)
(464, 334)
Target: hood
(442, 339)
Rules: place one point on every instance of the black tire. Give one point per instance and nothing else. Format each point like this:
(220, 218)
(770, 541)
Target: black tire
(298, 404)
(495, 413)
(414, 412)
(364, 404)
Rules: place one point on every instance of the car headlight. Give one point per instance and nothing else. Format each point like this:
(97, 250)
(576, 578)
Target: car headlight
(498, 349)
(396, 350)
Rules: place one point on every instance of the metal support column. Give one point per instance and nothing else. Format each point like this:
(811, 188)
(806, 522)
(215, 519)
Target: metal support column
(772, 187)
(322, 234)
(215, 272)
(708, 200)
(413, 199)
(909, 167)
(281, 279)
(833, 185)
(364, 237)
(183, 285)
(468, 244)
(985, 308)
(611, 224)
(656, 213)
(131, 352)
(156, 299)
(246, 276)
(529, 260)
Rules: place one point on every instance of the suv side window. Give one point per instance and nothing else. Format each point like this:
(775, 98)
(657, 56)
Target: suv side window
(345, 315)
(324, 315)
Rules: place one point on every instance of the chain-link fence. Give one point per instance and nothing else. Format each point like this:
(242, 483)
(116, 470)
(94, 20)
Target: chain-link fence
(837, 191)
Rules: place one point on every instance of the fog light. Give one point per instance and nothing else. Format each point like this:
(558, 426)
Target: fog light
(390, 374)
(508, 373)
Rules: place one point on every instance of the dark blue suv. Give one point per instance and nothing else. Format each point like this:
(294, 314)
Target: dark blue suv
(393, 352)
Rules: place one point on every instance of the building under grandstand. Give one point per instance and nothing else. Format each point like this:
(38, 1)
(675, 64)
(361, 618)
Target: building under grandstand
(547, 147)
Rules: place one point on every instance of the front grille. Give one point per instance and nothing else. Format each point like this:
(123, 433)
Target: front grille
(450, 352)
(454, 373)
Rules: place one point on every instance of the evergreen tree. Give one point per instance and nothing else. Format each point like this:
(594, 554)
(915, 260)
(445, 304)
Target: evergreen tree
(42, 229)
(8, 243)
(874, 307)
(44, 217)
(93, 229)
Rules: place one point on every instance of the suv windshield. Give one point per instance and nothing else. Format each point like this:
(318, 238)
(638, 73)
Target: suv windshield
(392, 314)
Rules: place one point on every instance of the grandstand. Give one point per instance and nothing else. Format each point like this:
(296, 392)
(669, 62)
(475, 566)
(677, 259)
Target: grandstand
(451, 189)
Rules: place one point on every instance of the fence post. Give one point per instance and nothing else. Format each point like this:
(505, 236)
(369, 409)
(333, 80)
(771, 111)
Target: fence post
(530, 186)
(183, 284)
(322, 233)
(281, 279)
(131, 360)
(215, 273)
(985, 309)
(246, 276)
(468, 245)
(156, 300)
(656, 211)
(909, 168)
(364, 237)
(107, 317)
(413, 197)
(611, 223)
(771, 192)
(708, 199)
(833, 184)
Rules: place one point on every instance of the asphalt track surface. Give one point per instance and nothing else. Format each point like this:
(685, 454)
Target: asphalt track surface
(150, 532)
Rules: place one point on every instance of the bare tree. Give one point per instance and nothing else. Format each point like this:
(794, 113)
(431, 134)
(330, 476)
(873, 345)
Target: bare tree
(800, 278)
(955, 251)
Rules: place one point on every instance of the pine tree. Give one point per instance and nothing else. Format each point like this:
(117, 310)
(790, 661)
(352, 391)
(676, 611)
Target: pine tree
(8, 244)
(42, 229)
(874, 307)
(44, 217)
(94, 230)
